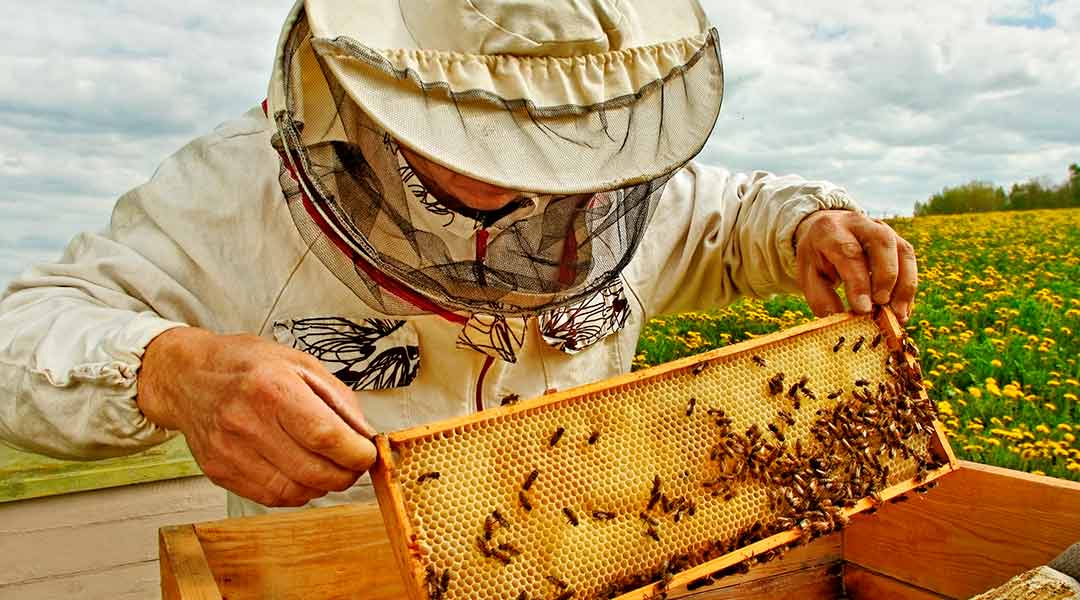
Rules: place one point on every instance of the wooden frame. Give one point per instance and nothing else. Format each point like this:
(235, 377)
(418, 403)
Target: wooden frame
(404, 539)
(980, 527)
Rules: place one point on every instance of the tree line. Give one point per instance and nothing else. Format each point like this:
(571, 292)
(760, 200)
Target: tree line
(981, 196)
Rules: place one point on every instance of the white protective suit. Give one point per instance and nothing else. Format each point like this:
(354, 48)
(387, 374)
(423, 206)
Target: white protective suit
(209, 242)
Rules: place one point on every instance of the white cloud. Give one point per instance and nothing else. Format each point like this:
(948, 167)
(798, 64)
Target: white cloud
(892, 99)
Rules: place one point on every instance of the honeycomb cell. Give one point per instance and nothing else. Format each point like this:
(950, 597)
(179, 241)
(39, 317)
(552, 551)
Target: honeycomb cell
(615, 444)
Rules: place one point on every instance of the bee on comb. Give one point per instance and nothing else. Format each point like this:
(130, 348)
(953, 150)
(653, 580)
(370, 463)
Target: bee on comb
(859, 343)
(428, 477)
(530, 480)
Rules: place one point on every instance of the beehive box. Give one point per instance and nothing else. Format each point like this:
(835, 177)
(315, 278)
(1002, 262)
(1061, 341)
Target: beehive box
(664, 479)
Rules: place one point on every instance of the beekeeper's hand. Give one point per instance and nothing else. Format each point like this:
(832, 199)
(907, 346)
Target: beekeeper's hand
(876, 265)
(263, 420)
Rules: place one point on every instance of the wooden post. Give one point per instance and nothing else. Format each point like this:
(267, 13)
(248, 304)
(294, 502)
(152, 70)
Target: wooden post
(185, 574)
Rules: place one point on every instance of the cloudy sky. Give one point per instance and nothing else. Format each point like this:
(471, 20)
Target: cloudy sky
(894, 99)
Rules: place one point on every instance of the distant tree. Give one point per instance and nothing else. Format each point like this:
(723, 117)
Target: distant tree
(977, 196)
(1074, 185)
(1033, 194)
(982, 196)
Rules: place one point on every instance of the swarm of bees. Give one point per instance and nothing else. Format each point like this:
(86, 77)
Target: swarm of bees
(808, 482)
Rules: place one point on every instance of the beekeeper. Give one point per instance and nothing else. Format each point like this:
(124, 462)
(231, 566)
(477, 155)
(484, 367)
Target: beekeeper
(440, 205)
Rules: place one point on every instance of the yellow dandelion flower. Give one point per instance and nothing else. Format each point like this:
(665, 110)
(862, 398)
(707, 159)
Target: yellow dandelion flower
(995, 363)
(1050, 406)
(1070, 397)
(975, 392)
(1041, 473)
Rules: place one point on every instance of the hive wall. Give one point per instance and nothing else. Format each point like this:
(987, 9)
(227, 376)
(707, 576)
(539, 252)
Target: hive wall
(457, 491)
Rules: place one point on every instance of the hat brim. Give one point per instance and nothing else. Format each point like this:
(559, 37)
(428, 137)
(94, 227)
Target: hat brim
(556, 149)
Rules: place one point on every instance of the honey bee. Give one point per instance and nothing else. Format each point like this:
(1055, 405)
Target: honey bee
(437, 585)
(524, 501)
(839, 344)
(651, 532)
(555, 437)
(530, 480)
(567, 595)
(571, 516)
(859, 343)
(523, 595)
(489, 527)
(836, 394)
(862, 383)
(428, 476)
(510, 399)
(776, 384)
(555, 581)
(499, 518)
(787, 418)
(483, 546)
(652, 501)
(793, 391)
(761, 362)
(699, 583)
(649, 519)
(594, 437)
(601, 515)
(690, 406)
(699, 368)
(877, 341)
(776, 431)
(510, 549)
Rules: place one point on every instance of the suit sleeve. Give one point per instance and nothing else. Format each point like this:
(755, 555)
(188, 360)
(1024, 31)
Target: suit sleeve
(718, 236)
(180, 250)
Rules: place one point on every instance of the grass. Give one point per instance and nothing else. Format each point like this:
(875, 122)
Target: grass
(997, 319)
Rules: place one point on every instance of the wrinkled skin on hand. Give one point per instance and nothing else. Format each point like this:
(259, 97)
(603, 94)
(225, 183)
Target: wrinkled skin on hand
(876, 265)
(264, 421)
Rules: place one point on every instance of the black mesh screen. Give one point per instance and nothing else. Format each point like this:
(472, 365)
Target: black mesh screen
(374, 229)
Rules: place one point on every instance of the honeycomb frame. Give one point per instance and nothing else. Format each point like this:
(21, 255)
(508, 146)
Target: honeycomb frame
(400, 494)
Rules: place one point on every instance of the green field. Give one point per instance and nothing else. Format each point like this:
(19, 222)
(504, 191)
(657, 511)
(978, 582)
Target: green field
(997, 319)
